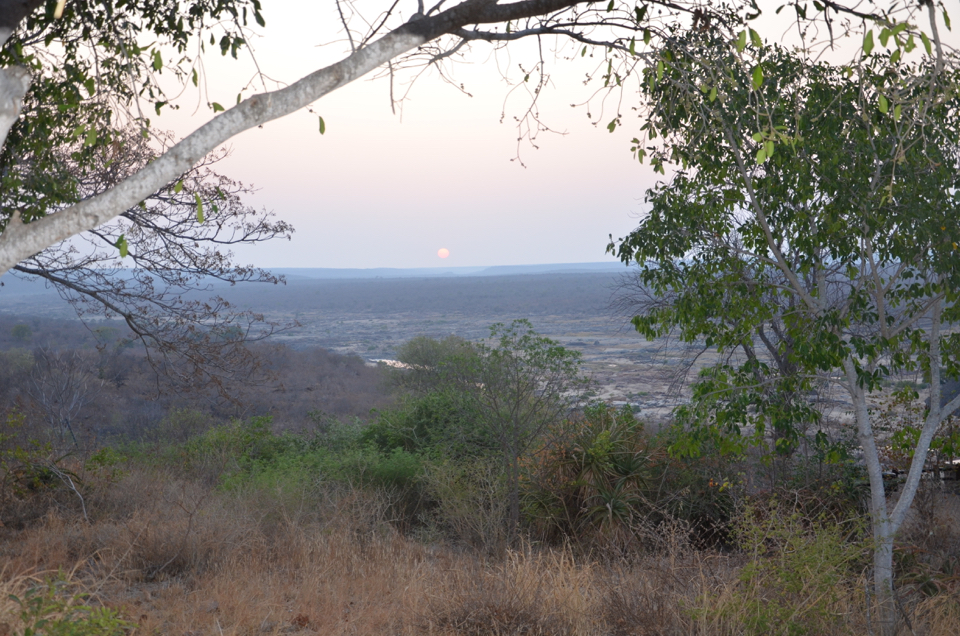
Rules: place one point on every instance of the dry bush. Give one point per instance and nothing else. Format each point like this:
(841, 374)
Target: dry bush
(526, 593)
(181, 559)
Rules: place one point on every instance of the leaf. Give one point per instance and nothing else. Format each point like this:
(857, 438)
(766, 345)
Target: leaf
(216, 107)
(610, 6)
(659, 70)
(633, 47)
(757, 76)
(583, 53)
(884, 36)
(946, 19)
(121, 245)
(91, 137)
(926, 43)
(755, 38)
(769, 147)
(742, 41)
(896, 113)
(157, 60)
(259, 19)
(178, 187)
(868, 42)
(713, 94)
(196, 197)
(895, 57)
(762, 155)
(757, 137)
(612, 125)
(646, 36)
(195, 78)
(884, 104)
(323, 126)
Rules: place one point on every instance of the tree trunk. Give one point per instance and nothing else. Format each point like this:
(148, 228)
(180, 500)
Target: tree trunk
(14, 82)
(883, 529)
(883, 579)
(513, 511)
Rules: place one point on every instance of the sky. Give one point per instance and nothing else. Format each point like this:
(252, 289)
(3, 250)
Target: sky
(380, 189)
(446, 171)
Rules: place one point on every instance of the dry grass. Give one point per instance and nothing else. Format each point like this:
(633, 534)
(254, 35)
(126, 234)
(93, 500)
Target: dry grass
(181, 560)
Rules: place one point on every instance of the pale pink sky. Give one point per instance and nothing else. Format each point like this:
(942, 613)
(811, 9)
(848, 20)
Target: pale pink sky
(375, 191)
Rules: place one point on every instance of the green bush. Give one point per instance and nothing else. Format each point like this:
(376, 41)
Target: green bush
(801, 576)
(590, 477)
(602, 478)
(439, 424)
(470, 502)
(700, 492)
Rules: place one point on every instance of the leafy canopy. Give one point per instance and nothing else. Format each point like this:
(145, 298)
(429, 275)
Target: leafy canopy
(813, 219)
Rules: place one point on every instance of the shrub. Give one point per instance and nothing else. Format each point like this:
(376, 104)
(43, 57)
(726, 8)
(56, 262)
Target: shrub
(441, 423)
(471, 502)
(801, 575)
(53, 608)
(591, 476)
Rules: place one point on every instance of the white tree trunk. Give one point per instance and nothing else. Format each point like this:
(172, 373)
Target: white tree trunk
(879, 516)
(886, 524)
(14, 83)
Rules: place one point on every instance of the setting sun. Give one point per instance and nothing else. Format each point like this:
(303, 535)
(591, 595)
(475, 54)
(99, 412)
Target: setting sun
(443, 252)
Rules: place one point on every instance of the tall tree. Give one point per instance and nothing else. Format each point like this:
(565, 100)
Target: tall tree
(811, 226)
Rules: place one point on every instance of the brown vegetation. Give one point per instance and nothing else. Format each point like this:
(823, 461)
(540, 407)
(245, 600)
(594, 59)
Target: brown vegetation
(177, 557)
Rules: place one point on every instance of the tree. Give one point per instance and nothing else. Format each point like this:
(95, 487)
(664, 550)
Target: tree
(152, 264)
(62, 384)
(69, 68)
(525, 382)
(809, 235)
(430, 364)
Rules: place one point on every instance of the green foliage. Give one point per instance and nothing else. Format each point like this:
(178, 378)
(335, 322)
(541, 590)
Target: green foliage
(901, 415)
(441, 423)
(180, 425)
(591, 475)
(470, 501)
(52, 608)
(25, 461)
(601, 478)
(826, 251)
(799, 571)
(432, 364)
(21, 332)
(90, 70)
(107, 464)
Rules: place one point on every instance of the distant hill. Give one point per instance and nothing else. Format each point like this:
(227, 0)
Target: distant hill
(519, 290)
(446, 272)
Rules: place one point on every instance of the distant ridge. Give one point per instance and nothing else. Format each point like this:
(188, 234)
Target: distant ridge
(35, 296)
(293, 273)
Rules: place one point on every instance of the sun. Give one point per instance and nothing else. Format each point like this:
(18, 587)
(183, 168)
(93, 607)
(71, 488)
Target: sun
(443, 252)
